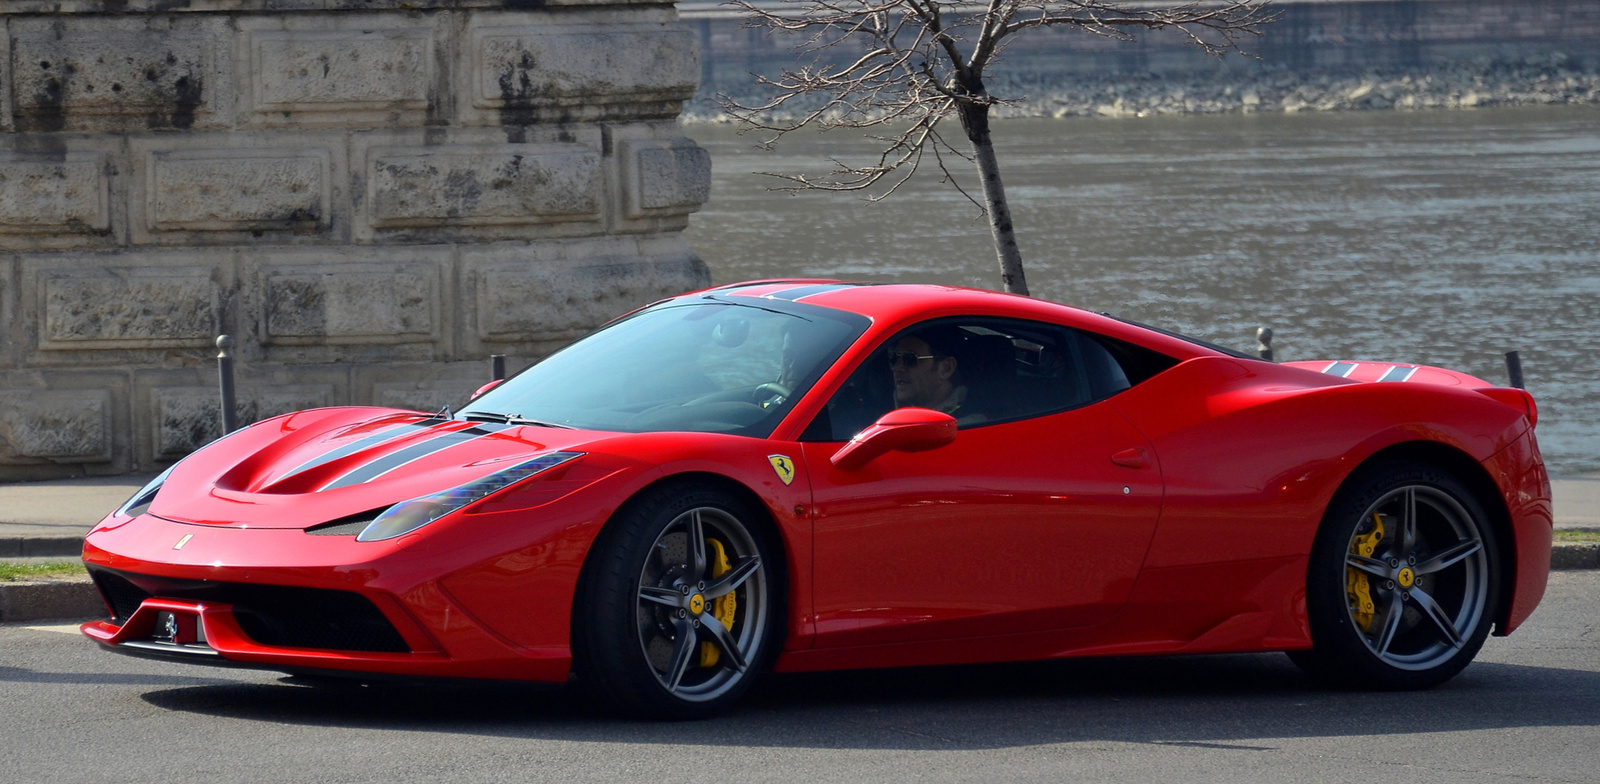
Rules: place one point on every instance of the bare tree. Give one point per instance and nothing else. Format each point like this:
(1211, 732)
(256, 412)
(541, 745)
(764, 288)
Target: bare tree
(905, 65)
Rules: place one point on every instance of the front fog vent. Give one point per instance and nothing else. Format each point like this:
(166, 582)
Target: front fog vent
(346, 526)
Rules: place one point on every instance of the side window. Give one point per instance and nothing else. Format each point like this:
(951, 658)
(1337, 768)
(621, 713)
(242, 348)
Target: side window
(979, 370)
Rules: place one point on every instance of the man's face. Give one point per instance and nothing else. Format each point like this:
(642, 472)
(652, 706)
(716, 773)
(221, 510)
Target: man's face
(925, 382)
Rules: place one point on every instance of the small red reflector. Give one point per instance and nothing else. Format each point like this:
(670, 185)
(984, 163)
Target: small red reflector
(1518, 399)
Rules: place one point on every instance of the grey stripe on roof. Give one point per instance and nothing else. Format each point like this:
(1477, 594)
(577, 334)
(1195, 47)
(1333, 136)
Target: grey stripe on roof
(799, 292)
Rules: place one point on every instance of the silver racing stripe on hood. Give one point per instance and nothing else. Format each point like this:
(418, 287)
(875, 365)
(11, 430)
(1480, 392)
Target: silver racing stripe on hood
(415, 452)
(383, 436)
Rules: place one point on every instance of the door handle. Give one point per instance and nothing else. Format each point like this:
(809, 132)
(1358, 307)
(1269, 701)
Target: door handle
(1132, 457)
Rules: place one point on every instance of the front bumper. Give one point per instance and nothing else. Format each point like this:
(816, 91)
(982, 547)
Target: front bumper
(211, 633)
(230, 597)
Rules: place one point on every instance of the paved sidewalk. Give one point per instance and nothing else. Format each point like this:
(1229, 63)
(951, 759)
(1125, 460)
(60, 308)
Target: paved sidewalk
(1577, 501)
(50, 518)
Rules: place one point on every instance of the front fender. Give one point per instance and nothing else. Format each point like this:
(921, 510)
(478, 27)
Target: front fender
(527, 595)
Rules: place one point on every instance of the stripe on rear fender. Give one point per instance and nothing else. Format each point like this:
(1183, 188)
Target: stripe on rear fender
(1340, 369)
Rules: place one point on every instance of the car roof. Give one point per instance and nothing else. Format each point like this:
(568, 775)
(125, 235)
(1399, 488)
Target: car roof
(891, 305)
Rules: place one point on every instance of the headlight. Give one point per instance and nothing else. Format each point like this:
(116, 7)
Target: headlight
(408, 516)
(140, 501)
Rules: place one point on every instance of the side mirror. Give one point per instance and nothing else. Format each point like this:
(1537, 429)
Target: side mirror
(900, 430)
(486, 388)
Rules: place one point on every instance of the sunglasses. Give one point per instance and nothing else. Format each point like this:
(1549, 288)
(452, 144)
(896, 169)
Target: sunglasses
(908, 358)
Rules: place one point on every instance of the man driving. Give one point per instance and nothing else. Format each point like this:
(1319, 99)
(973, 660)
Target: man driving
(927, 373)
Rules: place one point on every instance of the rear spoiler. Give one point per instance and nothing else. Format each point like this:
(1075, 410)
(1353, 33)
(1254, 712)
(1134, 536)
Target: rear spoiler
(1518, 399)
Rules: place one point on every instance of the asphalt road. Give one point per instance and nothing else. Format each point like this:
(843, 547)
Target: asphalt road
(1528, 710)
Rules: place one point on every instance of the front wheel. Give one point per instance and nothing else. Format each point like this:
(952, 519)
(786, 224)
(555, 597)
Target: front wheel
(1402, 581)
(679, 608)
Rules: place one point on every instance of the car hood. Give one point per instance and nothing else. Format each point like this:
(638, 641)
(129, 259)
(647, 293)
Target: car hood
(312, 467)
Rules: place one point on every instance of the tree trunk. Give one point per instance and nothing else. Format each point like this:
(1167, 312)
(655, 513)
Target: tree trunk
(975, 121)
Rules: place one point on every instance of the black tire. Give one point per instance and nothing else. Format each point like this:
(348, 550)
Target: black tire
(1430, 601)
(643, 612)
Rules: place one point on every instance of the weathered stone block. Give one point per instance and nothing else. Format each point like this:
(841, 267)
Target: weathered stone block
(674, 178)
(6, 110)
(369, 303)
(43, 196)
(128, 308)
(65, 426)
(531, 298)
(521, 300)
(671, 177)
(425, 395)
(258, 6)
(10, 330)
(554, 64)
(341, 70)
(156, 73)
(171, 169)
(475, 185)
(187, 418)
(218, 190)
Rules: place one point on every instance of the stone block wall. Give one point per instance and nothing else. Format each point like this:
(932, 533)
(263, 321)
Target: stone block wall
(372, 197)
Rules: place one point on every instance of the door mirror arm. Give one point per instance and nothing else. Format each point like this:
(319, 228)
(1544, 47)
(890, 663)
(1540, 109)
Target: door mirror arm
(900, 430)
(486, 388)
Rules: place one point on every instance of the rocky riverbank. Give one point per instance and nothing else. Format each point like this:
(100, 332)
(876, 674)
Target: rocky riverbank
(1554, 79)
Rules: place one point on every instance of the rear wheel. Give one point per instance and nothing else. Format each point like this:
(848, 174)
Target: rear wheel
(679, 609)
(1402, 581)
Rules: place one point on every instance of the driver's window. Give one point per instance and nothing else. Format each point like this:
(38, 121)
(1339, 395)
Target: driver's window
(978, 370)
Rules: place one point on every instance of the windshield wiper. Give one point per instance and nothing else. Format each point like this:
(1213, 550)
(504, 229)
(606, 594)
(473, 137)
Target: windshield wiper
(509, 419)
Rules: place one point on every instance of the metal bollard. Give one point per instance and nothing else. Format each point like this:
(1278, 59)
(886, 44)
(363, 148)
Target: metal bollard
(1264, 343)
(1514, 368)
(230, 416)
(497, 367)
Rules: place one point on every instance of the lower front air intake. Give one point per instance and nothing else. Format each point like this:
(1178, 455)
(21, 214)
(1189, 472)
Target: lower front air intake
(279, 616)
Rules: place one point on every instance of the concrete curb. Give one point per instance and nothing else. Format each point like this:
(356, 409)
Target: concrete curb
(37, 599)
(37, 546)
(1575, 555)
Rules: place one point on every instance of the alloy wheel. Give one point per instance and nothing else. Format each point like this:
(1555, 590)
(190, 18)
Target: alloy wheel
(702, 604)
(1417, 577)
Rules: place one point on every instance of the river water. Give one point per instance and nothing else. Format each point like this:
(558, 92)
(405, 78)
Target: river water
(1445, 237)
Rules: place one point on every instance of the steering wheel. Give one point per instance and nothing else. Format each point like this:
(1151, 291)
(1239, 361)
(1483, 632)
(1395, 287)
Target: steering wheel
(770, 394)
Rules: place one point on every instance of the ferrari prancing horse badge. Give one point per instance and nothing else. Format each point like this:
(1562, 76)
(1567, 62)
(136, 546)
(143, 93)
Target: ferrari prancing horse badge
(784, 466)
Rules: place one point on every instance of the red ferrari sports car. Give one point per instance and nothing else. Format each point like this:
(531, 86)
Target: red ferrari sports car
(808, 475)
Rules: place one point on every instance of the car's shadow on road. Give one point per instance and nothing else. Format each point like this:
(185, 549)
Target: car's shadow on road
(1240, 701)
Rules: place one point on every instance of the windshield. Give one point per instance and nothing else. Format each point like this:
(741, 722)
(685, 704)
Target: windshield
(708, 365)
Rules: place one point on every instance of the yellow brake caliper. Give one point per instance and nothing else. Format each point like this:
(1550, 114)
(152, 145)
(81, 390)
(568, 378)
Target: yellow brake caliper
(722, 607)
(1355, 581)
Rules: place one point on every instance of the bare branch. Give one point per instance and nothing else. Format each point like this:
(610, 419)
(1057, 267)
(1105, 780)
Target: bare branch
(911, 63)
(1229, 19)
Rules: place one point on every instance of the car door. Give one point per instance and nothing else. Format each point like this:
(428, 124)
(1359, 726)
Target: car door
(1036, 517)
